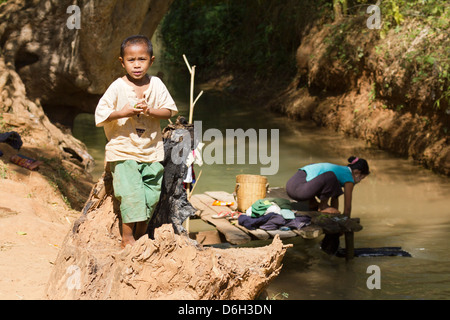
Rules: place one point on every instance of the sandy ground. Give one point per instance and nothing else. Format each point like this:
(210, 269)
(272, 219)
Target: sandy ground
(34, 221)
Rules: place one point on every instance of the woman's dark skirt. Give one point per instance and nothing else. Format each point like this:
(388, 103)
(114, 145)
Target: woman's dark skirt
(324, 186)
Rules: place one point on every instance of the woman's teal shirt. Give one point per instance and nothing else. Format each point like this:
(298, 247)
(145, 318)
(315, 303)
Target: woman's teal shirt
(343, 173)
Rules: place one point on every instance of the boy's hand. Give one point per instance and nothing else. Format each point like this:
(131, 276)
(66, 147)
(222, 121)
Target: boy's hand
(142, 105)
(129, 110)
(126, 112)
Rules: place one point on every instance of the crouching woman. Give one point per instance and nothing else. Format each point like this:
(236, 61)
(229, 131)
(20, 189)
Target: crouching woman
(326, 181)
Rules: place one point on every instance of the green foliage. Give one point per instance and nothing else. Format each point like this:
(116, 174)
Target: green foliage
(373, 93)
(430, 60)
(4, 171)
(424, 60)
(199, 31)
(259, 38)
(434, 13)
(351, 55)
(254, 37)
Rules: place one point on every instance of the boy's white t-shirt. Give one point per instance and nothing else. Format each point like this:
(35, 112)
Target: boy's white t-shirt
(134, 138)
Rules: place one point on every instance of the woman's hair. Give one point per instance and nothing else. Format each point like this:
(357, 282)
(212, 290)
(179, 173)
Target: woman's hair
(360, 164)
(138, 39)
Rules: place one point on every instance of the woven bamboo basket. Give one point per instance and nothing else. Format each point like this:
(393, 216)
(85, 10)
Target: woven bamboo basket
(249, 188)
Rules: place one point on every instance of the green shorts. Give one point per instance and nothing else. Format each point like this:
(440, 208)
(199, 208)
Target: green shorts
(138, 187)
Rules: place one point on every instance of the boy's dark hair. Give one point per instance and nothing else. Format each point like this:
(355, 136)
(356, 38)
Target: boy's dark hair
(137, 39)
(360, 164)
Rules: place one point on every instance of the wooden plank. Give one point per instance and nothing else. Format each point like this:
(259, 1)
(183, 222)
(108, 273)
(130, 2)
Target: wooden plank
(223, 196)
(232, 234)
(207, 237)
(282, 234)
(198, 206)
(309, 232)
(208, 202)
(376, 252)
(220, 195)
(259, 234)
(277, 193)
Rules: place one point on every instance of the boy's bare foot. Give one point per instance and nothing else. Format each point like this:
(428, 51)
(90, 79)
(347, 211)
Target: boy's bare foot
(127, 234)
(127, 242)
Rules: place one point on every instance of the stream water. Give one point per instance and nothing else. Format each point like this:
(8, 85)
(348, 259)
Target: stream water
(400, 203)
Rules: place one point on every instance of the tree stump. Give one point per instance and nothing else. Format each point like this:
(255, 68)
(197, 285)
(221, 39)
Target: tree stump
(92, 265)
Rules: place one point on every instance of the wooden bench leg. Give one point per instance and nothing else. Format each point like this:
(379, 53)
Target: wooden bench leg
(349, 246)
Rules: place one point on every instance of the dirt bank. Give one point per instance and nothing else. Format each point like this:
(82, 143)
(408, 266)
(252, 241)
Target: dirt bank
(351, 80)
(36, 207)
(34, 219)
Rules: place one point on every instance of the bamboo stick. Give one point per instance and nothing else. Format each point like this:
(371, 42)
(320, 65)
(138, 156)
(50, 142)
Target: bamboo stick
(195, 184)
(192, 102)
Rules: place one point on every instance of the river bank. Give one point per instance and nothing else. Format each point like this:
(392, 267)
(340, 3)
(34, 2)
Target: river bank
(388, 85)
(404, 134)
(375, 96)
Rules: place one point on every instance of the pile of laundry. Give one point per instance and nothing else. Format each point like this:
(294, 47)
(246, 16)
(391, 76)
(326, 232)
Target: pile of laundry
(272, 214)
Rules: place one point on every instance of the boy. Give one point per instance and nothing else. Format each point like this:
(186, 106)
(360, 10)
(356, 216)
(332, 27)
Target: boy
(130, 111)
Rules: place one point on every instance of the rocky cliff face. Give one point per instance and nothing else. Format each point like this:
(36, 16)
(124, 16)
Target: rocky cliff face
(52, 67)
(66, 51)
